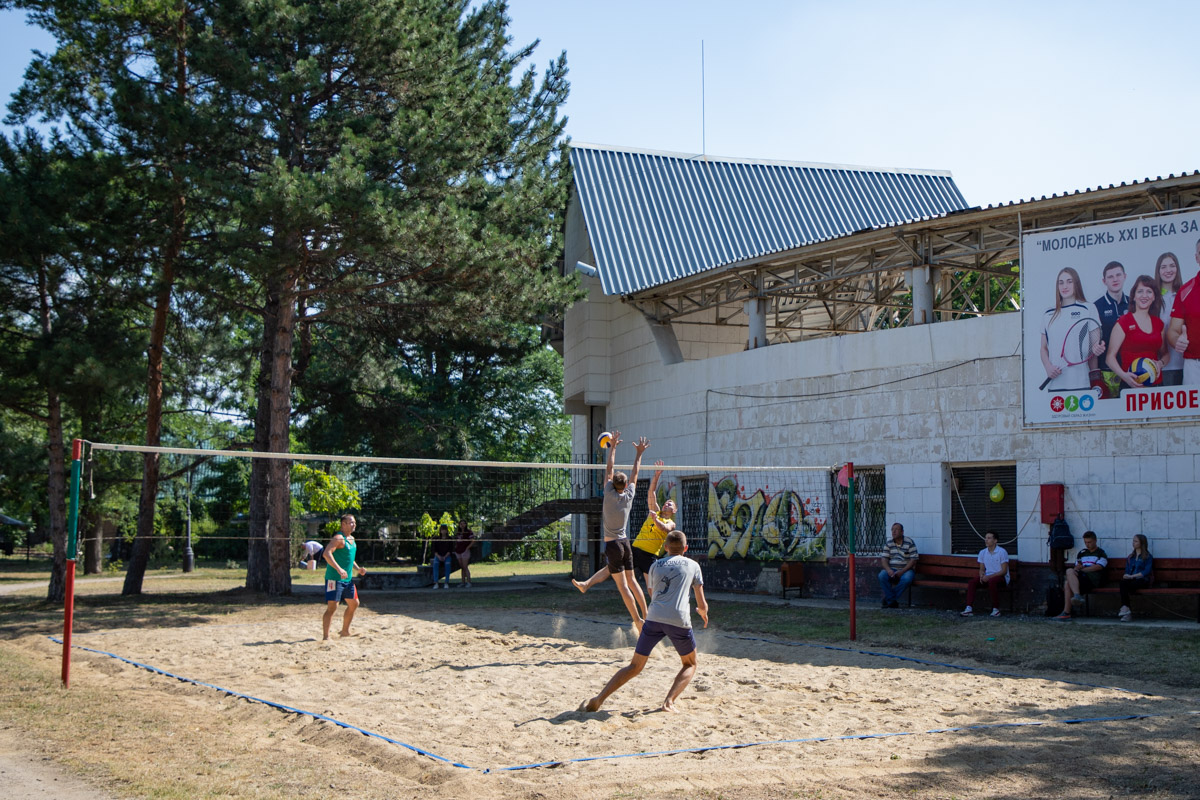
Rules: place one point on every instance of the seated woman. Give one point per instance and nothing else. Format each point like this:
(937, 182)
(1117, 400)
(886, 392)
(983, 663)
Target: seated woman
(442, 555)
(1138, 334)
(1139, 573)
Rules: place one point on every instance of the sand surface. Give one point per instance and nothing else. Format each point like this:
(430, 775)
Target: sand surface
(494, 690)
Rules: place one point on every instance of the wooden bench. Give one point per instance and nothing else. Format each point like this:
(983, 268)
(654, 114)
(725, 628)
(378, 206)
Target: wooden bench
(791, 576)
(954, 572)
(1172, 576)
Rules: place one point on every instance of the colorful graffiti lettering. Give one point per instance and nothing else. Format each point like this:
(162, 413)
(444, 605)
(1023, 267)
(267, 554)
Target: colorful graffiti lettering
(768, 527)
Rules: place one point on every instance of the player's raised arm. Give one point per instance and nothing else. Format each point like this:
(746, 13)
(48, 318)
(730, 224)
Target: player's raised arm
(610, 463)
(640, 446)
(652, 497)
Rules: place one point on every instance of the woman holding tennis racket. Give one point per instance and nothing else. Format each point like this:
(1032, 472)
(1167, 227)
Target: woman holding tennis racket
(1071, 337)
(1138, 334)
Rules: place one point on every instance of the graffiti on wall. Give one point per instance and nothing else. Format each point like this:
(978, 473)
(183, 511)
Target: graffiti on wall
(768, 526)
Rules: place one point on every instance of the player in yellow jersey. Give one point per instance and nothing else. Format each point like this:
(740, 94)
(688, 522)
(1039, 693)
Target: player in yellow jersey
(648, 545)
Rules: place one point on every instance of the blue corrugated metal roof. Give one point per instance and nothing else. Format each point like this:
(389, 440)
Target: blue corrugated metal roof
(657, 217)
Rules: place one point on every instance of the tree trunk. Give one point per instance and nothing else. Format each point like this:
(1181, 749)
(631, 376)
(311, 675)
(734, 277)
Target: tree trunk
(57, 497)
(258, 562)
(92, 543)
(279, 514)
(269, 557)
(148, 502)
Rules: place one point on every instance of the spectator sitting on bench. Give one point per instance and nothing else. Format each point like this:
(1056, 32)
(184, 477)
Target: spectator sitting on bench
(993, 573)
(1087, 574)
(1139, 573)
(898, 564)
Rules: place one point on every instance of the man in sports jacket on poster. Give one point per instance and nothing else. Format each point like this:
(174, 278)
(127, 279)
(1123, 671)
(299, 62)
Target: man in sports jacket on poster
(1111, 306)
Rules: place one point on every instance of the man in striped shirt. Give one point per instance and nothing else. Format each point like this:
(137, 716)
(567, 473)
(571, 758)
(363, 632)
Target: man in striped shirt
(898, 566)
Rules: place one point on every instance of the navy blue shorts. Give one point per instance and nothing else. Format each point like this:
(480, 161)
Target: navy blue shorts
(653, 632)
(336, 591)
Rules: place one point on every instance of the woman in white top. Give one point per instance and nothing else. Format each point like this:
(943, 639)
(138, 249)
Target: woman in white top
(1166, 272)
(1070, 306)
(993, 573)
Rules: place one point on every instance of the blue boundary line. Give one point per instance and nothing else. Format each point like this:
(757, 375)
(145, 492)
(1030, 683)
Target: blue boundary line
(708, 748)
(270, 703)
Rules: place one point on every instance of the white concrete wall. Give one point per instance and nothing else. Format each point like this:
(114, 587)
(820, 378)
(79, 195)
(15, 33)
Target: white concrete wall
(914, 400)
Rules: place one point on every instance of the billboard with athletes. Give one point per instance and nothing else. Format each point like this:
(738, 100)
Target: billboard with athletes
(1111, 320)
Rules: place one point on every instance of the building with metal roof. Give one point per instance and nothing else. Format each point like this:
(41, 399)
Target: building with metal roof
(656, 217)
(900, 345)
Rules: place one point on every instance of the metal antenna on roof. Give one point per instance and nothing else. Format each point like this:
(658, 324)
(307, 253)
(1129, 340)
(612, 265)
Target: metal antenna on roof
(703, 144)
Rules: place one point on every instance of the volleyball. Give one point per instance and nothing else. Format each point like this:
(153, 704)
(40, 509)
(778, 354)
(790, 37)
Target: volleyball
(1144, 371)
(605, 440)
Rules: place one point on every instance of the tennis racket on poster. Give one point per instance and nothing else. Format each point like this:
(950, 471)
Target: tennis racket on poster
(1078, 344)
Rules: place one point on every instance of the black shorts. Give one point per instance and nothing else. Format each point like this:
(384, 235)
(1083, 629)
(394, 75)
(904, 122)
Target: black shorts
(619, 555)
(1090, 581)
(643, 560)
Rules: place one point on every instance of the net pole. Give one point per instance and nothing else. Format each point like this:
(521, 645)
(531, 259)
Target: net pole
(72, 551)
(850, 545)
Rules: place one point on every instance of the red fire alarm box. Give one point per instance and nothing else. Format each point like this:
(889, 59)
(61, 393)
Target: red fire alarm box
(1052, 502)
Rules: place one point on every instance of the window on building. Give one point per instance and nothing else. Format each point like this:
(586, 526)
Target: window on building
(639, 510)
(973, 512)
(693, 511)
(870, 523)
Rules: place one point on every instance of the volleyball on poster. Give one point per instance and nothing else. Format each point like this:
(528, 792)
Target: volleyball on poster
(1077, 284)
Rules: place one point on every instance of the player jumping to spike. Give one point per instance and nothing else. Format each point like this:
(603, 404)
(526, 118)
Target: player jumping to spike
(619, 490)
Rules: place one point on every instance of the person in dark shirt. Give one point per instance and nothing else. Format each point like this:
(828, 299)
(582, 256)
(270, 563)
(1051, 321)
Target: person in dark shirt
(1085, 575)
(1111, 306)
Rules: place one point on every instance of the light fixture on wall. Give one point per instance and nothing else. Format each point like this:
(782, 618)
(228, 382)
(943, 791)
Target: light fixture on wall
(587, 269)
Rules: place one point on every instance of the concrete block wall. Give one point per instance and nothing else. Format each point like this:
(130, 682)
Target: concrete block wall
(915, 401)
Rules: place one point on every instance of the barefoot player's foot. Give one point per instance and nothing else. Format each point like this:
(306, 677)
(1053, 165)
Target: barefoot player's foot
(591, 705)
(668, 705)
(582, 587)
(347, 634)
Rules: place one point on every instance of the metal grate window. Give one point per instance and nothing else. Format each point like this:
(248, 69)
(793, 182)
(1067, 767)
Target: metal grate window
(693, 511)
(870, 523)
(973, 513)
(639, 510)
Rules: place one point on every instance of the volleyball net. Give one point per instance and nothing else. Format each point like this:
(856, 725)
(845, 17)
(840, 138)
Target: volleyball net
(516, 510)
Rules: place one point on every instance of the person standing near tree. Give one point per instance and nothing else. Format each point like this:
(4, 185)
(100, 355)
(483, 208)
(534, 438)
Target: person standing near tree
(340, 569)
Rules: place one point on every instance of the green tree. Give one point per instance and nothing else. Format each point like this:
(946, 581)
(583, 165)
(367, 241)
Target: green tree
(400, 170)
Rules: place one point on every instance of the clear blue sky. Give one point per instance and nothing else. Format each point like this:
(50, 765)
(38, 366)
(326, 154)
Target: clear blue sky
(1017, 99)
